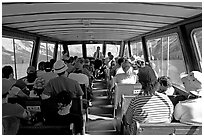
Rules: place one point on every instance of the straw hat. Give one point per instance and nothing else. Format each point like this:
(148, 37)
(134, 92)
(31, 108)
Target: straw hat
(192, 82)
(60, 66)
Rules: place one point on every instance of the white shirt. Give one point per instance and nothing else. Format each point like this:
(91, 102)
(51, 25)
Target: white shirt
(119, 70)
(189, 111)
(80, 78)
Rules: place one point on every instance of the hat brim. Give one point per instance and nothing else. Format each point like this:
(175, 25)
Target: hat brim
(195, 93)
(61, 70)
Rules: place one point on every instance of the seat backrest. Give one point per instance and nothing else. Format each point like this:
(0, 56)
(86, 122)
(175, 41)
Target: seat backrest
(10, 125)
(125, 101)
(76, 106)
(125, 89)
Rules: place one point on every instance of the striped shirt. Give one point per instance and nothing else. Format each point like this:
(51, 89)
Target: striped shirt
(150, 109)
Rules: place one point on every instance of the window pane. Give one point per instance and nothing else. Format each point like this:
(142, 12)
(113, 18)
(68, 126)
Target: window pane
(23, 50)
(167, 56)
(8, 53)
(42, 52)
(126, 51)
(75, 50)
(114, 49)
(136, 49)
(91, 48)
(50, 50)
(59, 52)
(197, 37)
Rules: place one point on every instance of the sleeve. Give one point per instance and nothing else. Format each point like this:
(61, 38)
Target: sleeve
(14, 91)
(178, 111)
(79, 91)
(17, 110)
(48, 89)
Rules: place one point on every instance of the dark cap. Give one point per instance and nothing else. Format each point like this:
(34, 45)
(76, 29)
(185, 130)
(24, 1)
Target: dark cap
(31, 69)
(146, 75)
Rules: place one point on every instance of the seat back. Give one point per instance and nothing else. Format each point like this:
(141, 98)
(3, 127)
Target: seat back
(125, 89)
(125, 101)
(10, 125)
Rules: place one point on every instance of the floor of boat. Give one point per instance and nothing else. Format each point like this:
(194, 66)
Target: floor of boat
(100, 115)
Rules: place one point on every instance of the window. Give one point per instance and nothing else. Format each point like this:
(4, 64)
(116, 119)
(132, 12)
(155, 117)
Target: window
(59, 51)
(75, 50)
(166, 55)
(197, 40)
(46, 51)
(113, 48)
(136, 49)
(91, 48)
(16, 53)
(126, 51)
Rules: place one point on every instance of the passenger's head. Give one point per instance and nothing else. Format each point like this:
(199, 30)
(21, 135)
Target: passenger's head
(41, 66)
(60, 67)
(98, 48)
(109, 53)
(192, 82)
(120, 61)
(31, 74)
(7, 72)
(71, 59)
(78, 67)
(127, 68)
(148, 79)
(165, 83)
(87, 62)
(52, 62)
(48, 66)
(111, 57)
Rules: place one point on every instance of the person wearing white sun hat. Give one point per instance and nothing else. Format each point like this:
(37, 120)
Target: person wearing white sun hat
(62, 82)
(190, 110)
(57, 86)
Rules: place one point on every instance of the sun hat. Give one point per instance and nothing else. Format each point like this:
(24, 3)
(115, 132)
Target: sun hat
(192, 82)
(195, 78)
(60, 66)
(6, 85)
(146, 75)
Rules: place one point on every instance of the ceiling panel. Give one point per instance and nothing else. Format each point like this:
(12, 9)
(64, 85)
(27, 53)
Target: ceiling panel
(95, 20)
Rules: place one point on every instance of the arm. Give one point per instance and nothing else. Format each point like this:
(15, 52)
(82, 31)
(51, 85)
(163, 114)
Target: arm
(178, 111)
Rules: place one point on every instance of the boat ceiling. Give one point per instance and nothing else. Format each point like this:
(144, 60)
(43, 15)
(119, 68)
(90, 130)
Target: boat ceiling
(105, 21)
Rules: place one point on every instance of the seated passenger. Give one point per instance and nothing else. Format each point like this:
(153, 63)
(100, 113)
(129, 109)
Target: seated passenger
(48, 73)
(41, 68)
(7, 72)
(190, 110)
(129, 77)
(61, 83)
(150, 106)
(31, 76)
(88, 66)
(18, 86)
(79, 76)
(11, 110)
(165, 85)
(69, 65)
(57, 111)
